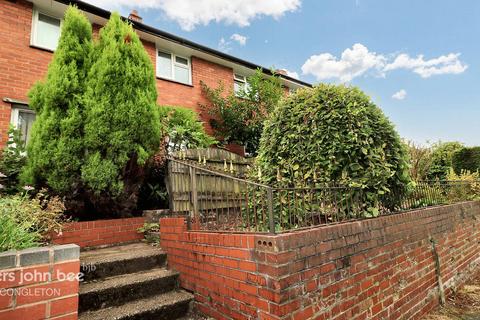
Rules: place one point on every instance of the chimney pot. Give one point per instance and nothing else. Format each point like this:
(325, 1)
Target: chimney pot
(134, 16)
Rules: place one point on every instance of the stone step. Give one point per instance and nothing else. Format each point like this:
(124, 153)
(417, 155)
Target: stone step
(117, 290)
(167, 306)
(125, 259)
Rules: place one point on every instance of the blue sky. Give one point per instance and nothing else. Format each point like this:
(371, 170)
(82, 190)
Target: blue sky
(437, 95)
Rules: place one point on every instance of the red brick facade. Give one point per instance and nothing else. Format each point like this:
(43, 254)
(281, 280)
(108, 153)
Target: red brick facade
(382, 268)
(22, 65)
(101, 232)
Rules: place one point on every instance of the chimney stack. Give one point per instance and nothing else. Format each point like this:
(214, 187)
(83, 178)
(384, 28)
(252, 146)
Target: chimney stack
(134, 16)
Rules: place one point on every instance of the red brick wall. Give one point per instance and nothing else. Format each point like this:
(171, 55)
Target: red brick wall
(381, 268)
(44, 290)
(101, 232)
(21, 66)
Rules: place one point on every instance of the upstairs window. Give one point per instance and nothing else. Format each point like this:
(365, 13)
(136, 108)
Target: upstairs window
(22, 119)
(240, 84)
(173, 67)
(45, 31)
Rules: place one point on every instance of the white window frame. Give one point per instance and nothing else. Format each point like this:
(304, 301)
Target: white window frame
(174, 63)
(33, 35)
(237, 77)
(15, 111)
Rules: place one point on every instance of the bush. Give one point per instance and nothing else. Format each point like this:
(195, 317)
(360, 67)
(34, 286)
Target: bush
(26, 222)
(97, 119)
(333, 134)
(420, 159)
(442, 153)
(465, 186)
(466, 159)
(122, 126)
(12, 162)
(56, 147)
(239, 118)
(184, 129)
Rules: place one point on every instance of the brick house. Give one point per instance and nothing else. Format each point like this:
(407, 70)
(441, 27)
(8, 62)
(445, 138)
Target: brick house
(29, 35)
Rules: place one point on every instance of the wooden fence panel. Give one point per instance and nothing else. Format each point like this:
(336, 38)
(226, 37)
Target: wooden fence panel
(193, 191)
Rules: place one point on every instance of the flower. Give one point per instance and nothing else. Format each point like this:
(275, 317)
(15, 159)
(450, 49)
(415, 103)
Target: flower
(28, 188)
(2, 175)
(1, 186)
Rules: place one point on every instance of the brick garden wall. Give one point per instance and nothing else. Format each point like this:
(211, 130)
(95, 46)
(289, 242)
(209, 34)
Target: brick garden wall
(101, 232)
(382, 268)
(39, 283)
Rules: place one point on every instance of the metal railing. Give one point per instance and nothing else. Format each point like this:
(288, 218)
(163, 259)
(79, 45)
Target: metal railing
(219, 201)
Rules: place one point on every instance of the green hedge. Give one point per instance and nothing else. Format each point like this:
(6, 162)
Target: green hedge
(441, 159)
(333, 134)
(466, 159)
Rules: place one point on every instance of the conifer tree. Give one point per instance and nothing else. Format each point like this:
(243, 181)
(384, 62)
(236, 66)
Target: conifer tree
(121, 120)
(56, 148)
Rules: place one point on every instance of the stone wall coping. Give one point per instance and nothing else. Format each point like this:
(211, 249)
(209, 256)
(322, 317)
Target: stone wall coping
(39, 255)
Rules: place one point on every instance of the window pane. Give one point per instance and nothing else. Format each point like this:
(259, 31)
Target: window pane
(181, 60)
(238, 87)
(47, 31)
(182, 74)
(164, 65)
(25, 122)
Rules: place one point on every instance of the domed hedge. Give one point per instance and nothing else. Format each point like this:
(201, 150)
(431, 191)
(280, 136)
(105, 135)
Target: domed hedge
(335, 134)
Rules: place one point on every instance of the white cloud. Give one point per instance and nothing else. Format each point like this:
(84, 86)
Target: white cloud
(354, 62)
(400, 95)
(191, 13)
(224, 45)
(447, 64)
(242, 40)
(358, 61)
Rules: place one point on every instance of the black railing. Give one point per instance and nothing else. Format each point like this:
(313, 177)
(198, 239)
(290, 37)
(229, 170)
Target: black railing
(219, 201)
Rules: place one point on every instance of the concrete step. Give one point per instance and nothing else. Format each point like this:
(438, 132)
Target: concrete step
(167, 306)
(125, 259)
(117, 290)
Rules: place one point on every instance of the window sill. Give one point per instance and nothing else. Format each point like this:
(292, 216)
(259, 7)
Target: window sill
(42, 48)
(174, 81)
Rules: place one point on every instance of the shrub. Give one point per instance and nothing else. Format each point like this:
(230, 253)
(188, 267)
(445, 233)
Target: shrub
(465, 186)
(420, 159)
(97, 120)
(239, 118)
(122, 128)
(56, 147)
(466, 159)
(442, 153)
(26, 222)
(184, 129)
(12, 162)
(333, 134)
